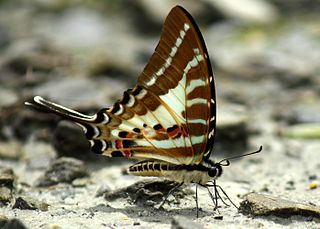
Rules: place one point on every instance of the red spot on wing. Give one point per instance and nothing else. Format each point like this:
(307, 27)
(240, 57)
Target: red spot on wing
(127, 153)
(184, 132)
(130, 135)
(173, 133)
(119, 144)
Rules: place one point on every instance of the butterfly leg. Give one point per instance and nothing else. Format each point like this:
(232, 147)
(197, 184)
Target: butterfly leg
(197, 205)
(218, 186)
(217, 195)
(169, 193)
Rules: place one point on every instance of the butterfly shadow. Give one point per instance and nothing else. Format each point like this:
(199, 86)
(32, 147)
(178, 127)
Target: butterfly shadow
(151, 214)
(142, 200)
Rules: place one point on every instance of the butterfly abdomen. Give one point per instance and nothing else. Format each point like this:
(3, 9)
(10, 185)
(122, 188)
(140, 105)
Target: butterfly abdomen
(179, 173)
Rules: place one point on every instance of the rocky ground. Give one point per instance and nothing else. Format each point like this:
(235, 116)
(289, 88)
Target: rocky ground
(84, 55)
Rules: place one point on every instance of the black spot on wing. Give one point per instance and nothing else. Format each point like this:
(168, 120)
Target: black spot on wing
(101, 117)
(127, 143)
(97, 147)
(136, 91)
(117, 154)
(123, 134)
(89, 131)
(157, 127)
(172, 128)
(125, 98)
(116, 108)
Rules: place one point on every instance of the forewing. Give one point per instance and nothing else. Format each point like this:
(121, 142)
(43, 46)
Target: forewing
(179, 72)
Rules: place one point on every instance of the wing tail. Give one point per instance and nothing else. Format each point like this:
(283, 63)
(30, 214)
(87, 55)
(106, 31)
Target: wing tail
(47, 106)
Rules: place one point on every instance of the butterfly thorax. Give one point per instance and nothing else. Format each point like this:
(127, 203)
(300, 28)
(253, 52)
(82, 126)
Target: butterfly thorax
(201, 173)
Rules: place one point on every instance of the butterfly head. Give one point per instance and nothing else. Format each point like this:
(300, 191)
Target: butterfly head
(214, 170)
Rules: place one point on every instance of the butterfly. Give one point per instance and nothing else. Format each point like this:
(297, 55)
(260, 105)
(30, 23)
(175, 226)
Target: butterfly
(168, 118)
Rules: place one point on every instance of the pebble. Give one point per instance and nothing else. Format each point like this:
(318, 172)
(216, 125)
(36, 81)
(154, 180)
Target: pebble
(5, 195)
(10, 150)
(299, 114)
(259, 205)
(181, 222)
(313, 185)
(247, 10)
(63, 170)
(102, 190)
(27, 203)
(7, 179)
(11, 224)
(7, 97)
(232, 126)
(302, 131)
(69, 141)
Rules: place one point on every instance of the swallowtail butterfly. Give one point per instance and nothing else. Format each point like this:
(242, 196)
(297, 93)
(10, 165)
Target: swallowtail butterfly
(168, 118)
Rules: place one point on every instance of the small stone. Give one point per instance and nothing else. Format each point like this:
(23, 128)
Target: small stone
(13, 223)
(258, 205)
(232, 126)
(69, 141)
(313, 177)
(63, 170)
(302, 131)
(102, 190)
(7, 178)
(5, 194)
(136, 223)
(3, 221)
(7, 97)
(80, 182)
(301, 114)
(27, 203)
(290, 185)
(53, 226)
(313, 185)
(247, 10)
(218, 217)
(180, 222)
(21, 203)
(10, 150)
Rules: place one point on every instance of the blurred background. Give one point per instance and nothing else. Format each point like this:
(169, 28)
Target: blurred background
(83, 54)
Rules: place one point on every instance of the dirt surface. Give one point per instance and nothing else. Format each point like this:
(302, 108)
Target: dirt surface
(85, 55)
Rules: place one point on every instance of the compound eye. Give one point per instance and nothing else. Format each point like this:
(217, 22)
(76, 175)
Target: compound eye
(213, 172)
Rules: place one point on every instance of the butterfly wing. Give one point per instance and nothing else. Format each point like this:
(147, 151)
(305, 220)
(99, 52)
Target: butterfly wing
(168, 114)
(179, 72)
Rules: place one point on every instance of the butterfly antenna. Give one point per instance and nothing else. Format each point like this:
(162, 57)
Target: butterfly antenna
(227, 160)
